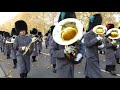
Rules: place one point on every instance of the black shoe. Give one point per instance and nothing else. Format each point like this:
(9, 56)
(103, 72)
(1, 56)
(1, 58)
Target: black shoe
(39, 52)
(14, 67)
(34, 61)
(25, 75)
(100, 52)
(107, 68)
(54, 70)
(22, 75)
(117, 60)
(8, 57)
(113, 73)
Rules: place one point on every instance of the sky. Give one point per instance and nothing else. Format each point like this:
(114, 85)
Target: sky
(6, 16)
(117, 16)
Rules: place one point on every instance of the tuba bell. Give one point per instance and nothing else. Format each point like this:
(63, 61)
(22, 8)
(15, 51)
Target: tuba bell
(100, 30)
(67, 32)
(113, 33)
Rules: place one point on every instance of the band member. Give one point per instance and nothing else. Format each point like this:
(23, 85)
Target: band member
(4, 45)
(39, 42)
(117, 55)
(14, 34)
(7, 45)
(64, 65)
(91, 42)
(110, 49)
(1, 41)
(33, 33)
(52, 58)
(46, 40)
(20, 44)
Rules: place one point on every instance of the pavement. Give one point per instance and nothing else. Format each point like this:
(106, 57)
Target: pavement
(43, 69)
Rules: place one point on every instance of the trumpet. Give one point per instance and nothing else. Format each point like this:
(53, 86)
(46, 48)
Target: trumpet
(68, 32)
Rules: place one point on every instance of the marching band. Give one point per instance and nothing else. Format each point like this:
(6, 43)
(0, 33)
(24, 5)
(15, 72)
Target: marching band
(68, 45)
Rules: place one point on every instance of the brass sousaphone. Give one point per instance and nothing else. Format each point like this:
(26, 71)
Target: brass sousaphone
(67, 32)
(114, 33)
(100, 30)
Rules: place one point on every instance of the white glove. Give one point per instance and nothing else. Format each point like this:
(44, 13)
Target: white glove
(101, 46)
(82, 40)
(78, 57)
(23, 48)
(117, 46)
(34, 39)
(99, 38)
(12, 40)
(69, 49)
(113, 42)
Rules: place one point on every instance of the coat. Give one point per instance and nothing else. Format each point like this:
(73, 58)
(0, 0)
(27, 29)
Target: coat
(34, 53)
(8, 47)
(1, 41)
(47, 40)
(64, 66)
(13, 52)
(23, 61)
(109, 53)
(52, 58)
(117, 53)
(39, 44)
(2, 44)
(92, 67)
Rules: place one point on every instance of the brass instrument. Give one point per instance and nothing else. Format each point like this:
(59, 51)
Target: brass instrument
(12, 40)
(28, 47)
(67, 32)
(100, 30)
(113, 34)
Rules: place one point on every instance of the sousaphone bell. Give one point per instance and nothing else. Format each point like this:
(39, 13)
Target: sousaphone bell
(67, 32)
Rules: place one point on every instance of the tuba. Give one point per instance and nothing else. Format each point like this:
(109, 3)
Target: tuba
(100, 30)
(67, 32)
(114, 35)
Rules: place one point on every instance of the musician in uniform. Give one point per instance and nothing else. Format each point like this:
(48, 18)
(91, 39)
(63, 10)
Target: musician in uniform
(1, 41)
(14, 34)
(117, 55)
(2, 33)
(7, 45)
(110, 49)
(21, 44)
(33, 33)
(91, 42)
(46, 40)
(39, 42)
(4, 45)
(52, 58)
(64, 65)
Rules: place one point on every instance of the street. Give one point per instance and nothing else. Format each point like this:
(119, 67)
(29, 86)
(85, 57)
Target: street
(43, 69)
